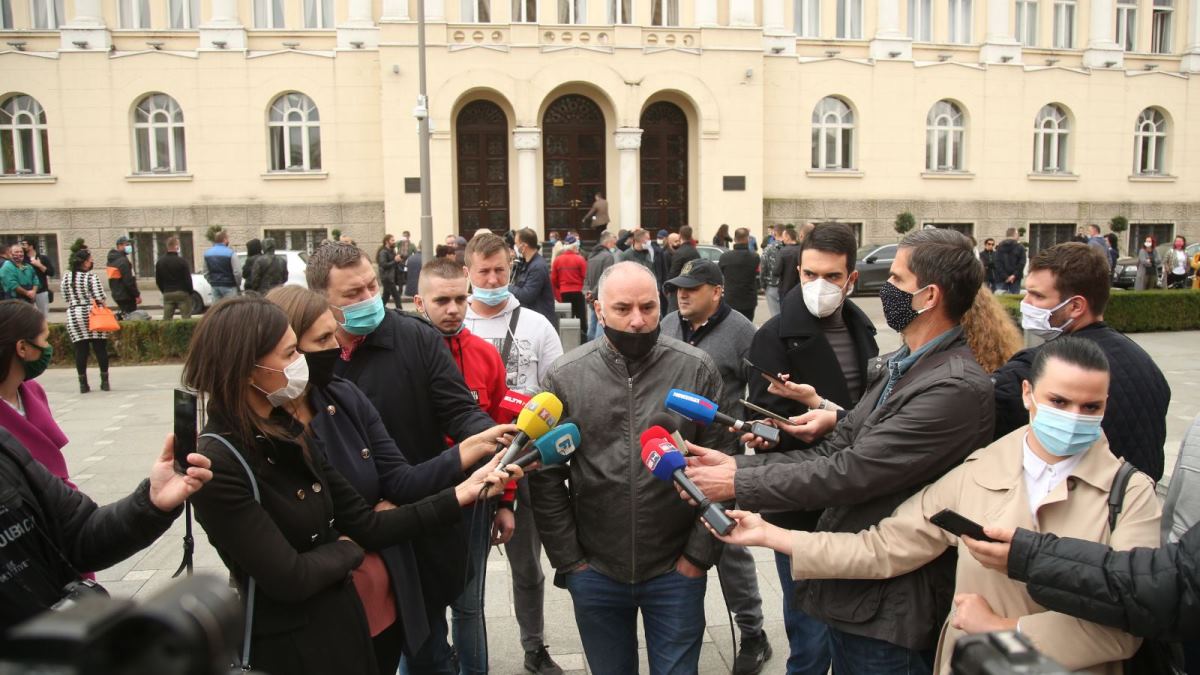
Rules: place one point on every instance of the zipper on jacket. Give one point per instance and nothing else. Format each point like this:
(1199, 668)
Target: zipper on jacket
(632, 490)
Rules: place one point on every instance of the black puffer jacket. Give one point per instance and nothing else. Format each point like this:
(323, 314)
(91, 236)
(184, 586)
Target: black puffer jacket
(90, 537)
(1147, 592)
(1010, 260)
(1135, 421)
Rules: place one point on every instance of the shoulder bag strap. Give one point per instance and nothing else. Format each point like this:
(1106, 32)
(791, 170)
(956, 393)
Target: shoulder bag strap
(1116, 494)
(508, 339)
(245, 660)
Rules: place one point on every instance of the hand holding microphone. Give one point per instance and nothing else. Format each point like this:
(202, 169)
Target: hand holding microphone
(667, 463)
(536, 418)
(554, 447)
(484, 444)
(699, 409)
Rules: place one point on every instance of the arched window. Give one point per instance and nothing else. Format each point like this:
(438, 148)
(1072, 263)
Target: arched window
(1050, 132)
(1150, 143)
(295, 128)
(832, 134)
(158, 135)
(24, 145)
(945, 136)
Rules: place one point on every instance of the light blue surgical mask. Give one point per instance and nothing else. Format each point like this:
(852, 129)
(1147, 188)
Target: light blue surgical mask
(128, 249)
(362, 318)
(1065, 434)
(491, 296)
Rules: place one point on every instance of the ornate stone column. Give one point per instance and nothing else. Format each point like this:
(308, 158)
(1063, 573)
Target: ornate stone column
(527, 141)
(890, 42)
(223, 30)
(359, 31)
(741, 13)
(1102, 50)
(1191, 56)
(86, 27)
(999, 45)
(629, 140)
(395, 10)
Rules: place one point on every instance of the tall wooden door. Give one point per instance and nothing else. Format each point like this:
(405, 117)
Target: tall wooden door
(573, 162)
(664, 167)
(482, 138)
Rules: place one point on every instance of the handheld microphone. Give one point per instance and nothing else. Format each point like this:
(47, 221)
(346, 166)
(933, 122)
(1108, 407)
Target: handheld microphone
(554, 447)
(665, 461)
(699, 409)
(536, 418)
(670, 423)
(513, 403)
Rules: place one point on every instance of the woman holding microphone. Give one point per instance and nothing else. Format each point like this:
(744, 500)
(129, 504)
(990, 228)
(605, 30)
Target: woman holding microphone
(290, 528)
(359, 446)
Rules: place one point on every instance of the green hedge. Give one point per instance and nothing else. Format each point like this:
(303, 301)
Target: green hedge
(138, 342)
(1139, 311)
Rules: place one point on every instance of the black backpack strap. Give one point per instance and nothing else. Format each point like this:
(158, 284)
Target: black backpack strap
(1116, 494)
(508, 339)
(245, 659)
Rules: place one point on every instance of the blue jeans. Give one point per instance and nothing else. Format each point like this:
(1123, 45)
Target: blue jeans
(468, 625)
(434, 656)
(606, 612)
(808, 639)
(222, 292)
(853, 654)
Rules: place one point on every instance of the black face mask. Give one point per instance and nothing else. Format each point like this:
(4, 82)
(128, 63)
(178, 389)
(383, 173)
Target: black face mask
(320, 366)
(632, 346)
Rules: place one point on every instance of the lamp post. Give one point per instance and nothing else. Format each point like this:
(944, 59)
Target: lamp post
(421, 112)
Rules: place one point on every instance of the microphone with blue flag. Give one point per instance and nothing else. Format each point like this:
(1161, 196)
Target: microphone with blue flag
(699, 409)
(667, 463)
(553, 447)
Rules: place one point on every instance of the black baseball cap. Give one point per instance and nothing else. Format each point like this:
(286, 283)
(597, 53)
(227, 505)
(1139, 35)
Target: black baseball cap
(696, 273)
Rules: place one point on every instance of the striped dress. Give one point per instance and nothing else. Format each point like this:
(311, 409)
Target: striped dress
(79, 289)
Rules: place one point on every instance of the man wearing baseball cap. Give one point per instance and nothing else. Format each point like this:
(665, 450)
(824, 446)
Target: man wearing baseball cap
(705, 321)
(121, 281)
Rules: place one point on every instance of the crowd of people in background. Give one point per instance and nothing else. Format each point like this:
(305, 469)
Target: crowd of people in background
(349, 478)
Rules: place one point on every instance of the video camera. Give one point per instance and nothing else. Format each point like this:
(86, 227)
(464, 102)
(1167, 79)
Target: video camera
(1000, 653)
(191, 628)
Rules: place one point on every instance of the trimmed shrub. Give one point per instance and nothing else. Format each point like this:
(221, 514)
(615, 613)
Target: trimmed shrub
(1139, 311)
(138, 342)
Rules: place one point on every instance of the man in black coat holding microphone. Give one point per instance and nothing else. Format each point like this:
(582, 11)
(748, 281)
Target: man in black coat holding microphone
(617, 536)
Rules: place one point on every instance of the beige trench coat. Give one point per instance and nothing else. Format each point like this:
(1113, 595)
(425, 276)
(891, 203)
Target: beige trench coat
(989, 488)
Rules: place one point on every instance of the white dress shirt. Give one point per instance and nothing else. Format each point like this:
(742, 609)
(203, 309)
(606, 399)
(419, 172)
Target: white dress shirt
(1041, 477)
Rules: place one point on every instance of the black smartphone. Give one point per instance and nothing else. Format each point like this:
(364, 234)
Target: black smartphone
(185, 427)
(764, 412)
(770, 377)
(959, 525)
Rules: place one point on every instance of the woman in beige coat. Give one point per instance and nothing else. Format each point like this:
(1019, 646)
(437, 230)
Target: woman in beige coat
(1053, 475)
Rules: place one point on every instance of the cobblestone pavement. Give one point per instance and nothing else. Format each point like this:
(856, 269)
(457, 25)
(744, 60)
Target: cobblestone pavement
(115, 436)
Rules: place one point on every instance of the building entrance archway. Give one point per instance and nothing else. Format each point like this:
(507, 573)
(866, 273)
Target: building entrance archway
(664, 167)
(573, 157)
(482, 160)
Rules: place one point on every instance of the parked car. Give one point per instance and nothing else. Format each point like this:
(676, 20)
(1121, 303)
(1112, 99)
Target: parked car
(710, 252)
(1125, 274)
(297, 261)
(874, 264)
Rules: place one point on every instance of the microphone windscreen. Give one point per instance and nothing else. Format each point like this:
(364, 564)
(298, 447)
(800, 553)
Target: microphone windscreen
(692, 406)
(558, 444)
(662, 458)
(652, 433)
(513, 403)
(665, 420)
(541, 413)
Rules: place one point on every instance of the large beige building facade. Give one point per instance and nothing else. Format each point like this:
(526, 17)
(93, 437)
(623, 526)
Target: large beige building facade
(293, 118)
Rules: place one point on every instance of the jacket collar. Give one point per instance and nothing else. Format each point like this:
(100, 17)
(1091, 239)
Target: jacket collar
(1004, 469)
(693, 335)
(383, 337)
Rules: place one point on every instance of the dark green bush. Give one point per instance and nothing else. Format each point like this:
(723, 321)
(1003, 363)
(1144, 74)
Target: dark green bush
(1140, 311)
(138, 342)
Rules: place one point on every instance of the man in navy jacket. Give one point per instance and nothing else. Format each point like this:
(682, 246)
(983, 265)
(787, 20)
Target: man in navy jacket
(531, 278)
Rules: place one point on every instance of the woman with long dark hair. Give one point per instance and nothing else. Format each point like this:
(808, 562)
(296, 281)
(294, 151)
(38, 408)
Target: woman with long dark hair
(25, 352)
(288, 525)
(359, 446)
(722, 237)
(81, 290)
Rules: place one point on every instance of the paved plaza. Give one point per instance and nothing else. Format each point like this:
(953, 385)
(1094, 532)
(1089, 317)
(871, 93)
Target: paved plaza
(116, 435)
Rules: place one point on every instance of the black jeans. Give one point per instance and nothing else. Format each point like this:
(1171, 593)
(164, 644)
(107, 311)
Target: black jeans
(579, 311)
(391, 290)
(127, 306)
(81, 355)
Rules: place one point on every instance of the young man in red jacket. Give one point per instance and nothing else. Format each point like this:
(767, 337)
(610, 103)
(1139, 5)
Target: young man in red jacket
(566, 277)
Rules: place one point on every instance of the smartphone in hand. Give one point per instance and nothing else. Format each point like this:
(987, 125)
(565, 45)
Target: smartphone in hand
(959, 525)
(770, 377)
(185, 427)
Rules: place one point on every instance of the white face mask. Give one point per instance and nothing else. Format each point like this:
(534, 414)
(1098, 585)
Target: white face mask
(1037, 320)
(822, 298)
(296, 373)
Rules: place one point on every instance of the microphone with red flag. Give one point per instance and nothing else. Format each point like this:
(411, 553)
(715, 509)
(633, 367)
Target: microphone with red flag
(667, 463)
(512, 403)
(535, 419)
